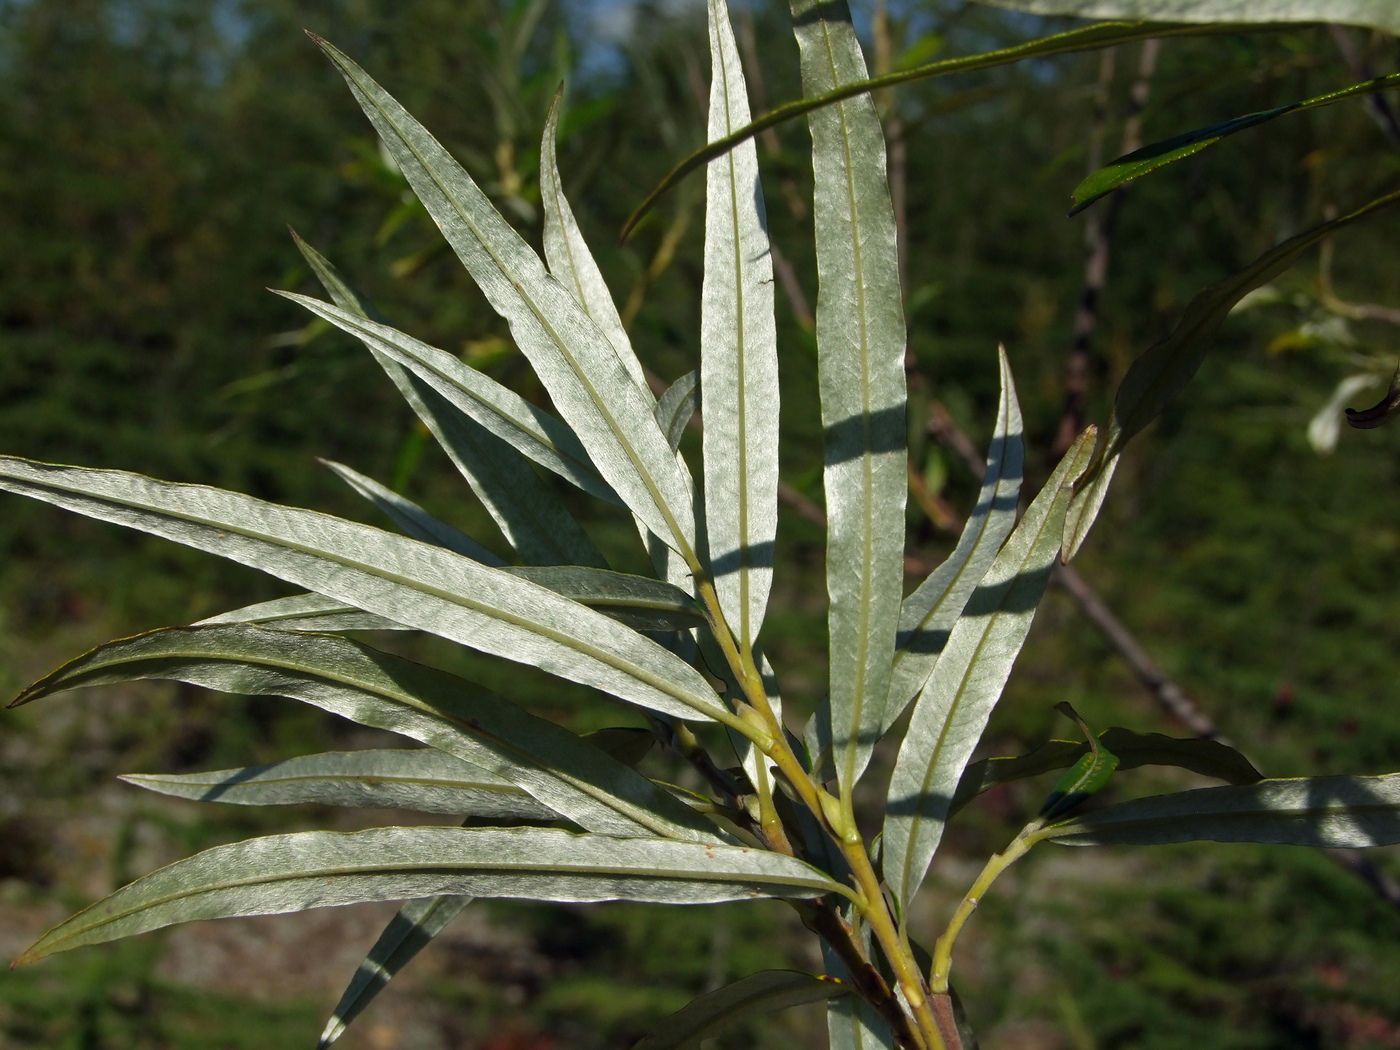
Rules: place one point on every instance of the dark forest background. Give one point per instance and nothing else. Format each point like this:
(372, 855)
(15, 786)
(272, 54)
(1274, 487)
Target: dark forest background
(152, 155)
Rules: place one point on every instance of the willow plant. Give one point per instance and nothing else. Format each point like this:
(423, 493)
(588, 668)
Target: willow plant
(553, 816)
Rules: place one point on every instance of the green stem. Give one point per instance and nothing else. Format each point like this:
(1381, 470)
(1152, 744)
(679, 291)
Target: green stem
(943, 949)
(834, 814)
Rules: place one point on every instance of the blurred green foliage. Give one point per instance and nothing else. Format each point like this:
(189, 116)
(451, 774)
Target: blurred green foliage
(152, 153)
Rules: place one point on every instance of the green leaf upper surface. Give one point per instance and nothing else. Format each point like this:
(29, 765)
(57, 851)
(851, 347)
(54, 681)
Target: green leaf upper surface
(1089, 38)
(557, 768)
(425, 780)
(1162, 371)
(929, 613)
(306, 612)
(952, 711)
(318, 869)
(1149, 158)
(570, 261)
(738, 356)
(1329, 812)
(1209, 758)
(586, 380)
(407, 934)
(759, 993)
(860, 365)
(1380, 14)
(413, 519)
(402, 579)
(530, 430)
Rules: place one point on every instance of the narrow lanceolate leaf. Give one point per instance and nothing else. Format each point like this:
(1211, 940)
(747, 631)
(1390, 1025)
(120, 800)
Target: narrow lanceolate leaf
(401, 579)
(860, 366)
(1331, 812)
(529, 515)
(738, 356)
(639, 602)
(306, 612)
(318, 869)
(1380, 14)
(530, 430)
(344, 294)
(586, 380)
(1209, 758)
(570, 261)
(567, 774)
(1162, 371)
(484, 428)
(931, 611)
(425, 780)
(951, 712)
(851, 1022)
(407, 934)
(756, 995)
(676, 407)
(413, 519)
(1088, 38)
(1149, 158)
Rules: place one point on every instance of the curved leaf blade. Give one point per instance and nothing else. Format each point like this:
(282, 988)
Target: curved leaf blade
(759, 993)
(425, 780)
(407, 934)
(676, 407)
(952, 711)
(860, 365)
(530, 430)
(1326, 812)
(1088, 38)
(1379, 14)
(342, 293)
(1209, 758)
(851, 1022)
(738, 356)
(570, 261)
(1162, 371)
(305, 612)
(577, 364)
(531, 517)
(402, 579)
(929, 613)
(318, 869)
(557, 768)
(413, 519)
(638, 601)
(478, 423)
(1149, 158)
